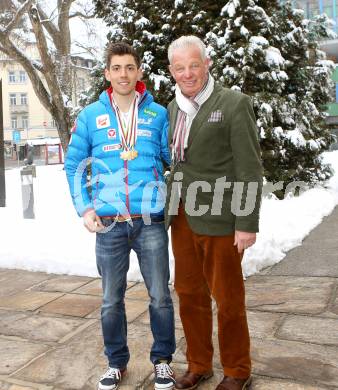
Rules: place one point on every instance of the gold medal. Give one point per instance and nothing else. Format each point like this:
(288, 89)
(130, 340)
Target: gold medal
(125, 155)
(133, 153)
(128, 129)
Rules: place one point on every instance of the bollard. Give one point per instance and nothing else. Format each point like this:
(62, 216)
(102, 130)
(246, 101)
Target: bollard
(27, 173)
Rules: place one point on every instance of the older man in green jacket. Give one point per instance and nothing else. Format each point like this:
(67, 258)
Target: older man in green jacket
(214, 193)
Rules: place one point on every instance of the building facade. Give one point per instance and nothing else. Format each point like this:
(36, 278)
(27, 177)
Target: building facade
(317, 7)
(23, 112)
(313, 8)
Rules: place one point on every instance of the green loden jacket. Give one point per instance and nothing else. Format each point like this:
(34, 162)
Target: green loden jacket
(223, 149)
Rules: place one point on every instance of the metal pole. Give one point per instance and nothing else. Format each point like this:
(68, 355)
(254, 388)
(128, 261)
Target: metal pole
(2, 155)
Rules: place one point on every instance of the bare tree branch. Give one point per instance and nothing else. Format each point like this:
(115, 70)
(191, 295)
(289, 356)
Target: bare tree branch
(45, 56)
(87, 49)
(47, 23)
(81, 15)
(63, 23)
(18, 15)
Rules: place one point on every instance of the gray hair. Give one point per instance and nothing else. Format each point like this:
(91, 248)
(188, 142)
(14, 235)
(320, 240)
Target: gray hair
(184, 42)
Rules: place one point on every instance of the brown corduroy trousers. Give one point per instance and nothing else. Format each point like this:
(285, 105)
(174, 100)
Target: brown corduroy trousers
(205, 267)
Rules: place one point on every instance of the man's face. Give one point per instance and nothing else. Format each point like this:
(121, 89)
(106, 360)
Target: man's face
(189, 70)
(123, 74)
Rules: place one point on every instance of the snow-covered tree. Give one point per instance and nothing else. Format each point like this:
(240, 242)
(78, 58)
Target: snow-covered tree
(23, 22)
(150, 27)
(270, 52)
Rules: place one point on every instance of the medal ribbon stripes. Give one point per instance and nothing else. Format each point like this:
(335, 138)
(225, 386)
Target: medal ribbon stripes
(128, 131)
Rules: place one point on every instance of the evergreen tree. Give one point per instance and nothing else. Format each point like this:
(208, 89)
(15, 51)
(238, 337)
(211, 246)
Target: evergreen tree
(150, 27)
(270, 52)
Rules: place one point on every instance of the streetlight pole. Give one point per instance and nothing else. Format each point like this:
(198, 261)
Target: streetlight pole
(2, 155)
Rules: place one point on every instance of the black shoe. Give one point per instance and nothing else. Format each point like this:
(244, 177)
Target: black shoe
(111, 379)
(164, 376)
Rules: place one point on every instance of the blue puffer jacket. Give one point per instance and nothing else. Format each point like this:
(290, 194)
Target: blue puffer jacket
(118, 187)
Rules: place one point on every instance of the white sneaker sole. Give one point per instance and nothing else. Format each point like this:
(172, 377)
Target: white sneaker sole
(164, 387)
(103, 387)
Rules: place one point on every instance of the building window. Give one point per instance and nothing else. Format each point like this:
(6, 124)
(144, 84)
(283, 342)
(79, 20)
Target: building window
(12, 99)
(25, 122)
(14, 122)
(22, 76)
(24, 100)
(53, 123)
(11, 77)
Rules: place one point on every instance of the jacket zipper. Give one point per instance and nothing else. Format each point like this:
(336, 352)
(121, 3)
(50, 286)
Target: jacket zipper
(127, 189)
(125, 161)
(155, 173)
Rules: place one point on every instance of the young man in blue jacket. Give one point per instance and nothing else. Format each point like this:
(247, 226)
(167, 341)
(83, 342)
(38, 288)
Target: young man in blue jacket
(124, 137)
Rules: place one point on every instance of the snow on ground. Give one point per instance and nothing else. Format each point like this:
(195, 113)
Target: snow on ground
(56, 241)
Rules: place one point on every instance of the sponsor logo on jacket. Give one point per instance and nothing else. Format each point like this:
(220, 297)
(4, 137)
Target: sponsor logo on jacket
(143, 121)
(108, 148)
(150, 112)
(111, 133)
(102, 121)
(144, 133)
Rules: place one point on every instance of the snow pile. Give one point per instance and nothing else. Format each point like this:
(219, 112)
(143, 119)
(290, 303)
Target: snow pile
(285, 223)
(56, 241)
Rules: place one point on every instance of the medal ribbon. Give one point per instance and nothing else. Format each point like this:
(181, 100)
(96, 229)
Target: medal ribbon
(128, 132)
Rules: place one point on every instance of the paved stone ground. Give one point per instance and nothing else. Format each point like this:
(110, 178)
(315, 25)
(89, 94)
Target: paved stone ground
(50, 336)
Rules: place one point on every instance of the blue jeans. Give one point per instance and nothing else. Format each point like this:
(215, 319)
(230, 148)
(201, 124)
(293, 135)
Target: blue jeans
(150, 242)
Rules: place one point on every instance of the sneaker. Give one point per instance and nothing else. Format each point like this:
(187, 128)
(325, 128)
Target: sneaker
(111, 379)
(164, 376)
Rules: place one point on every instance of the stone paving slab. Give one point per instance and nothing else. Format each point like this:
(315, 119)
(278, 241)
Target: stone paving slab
(307, 295)
(92, 288)
(12, 281)
(308, 363)
(64, 283)
(10, 386)
(271, 384)
(334, 308)
(73, 305)
(36, 327)
(263, 325)
(95, 288)
(28, 300)
(310, 330)
(83, 355)
(14, 354)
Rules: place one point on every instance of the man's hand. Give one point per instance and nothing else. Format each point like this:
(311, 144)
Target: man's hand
(92, 222)
(244, 240)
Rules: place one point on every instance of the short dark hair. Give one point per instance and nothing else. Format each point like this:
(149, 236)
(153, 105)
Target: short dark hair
(120, 49)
